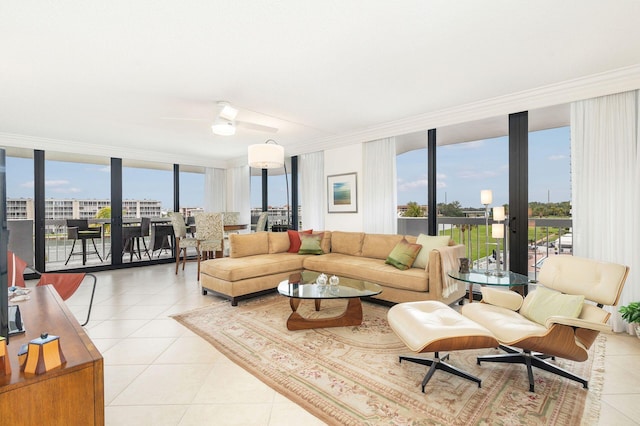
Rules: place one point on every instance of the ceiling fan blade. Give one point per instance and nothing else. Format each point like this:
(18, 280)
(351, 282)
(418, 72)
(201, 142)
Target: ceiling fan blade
(257, 127)
(185, 119)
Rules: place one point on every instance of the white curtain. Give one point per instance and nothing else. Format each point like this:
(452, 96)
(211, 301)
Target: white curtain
(605, 171)
(215, 184)
(239, 192)
(379, 201)
(312, 190)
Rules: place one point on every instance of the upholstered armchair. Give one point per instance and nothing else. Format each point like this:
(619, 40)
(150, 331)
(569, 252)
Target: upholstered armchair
(561, 318)
(210, 235)
(261, 224)
(182, 241)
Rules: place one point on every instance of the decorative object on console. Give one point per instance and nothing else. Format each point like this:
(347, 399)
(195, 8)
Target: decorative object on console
(44, 354)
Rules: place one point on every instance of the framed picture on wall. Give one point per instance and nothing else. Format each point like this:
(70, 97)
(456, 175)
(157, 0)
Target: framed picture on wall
(342, 193)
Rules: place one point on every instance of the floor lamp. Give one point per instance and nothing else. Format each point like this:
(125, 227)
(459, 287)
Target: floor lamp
(270, 155)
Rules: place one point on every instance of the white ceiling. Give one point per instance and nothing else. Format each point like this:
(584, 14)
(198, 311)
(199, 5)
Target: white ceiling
(111, 78)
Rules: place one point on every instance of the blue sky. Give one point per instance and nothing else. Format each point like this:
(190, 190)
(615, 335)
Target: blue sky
(463, 171)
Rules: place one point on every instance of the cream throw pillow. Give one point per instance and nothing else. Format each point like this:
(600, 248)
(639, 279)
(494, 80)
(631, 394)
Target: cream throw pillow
(544, 303)
(428, 243)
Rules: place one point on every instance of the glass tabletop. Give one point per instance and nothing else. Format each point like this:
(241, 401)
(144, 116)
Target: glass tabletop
(304, 286)
(482, 278)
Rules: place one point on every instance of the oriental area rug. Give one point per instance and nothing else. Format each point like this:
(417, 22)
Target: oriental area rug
(351, 375)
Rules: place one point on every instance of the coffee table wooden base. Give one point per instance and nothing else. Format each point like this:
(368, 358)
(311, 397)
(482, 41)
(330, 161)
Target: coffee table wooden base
(351, 316)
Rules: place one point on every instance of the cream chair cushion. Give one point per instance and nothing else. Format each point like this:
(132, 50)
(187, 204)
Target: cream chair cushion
(543, 303)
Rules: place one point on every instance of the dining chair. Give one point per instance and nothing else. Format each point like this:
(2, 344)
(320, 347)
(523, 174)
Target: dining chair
(182, 241)
(261, 224)
(229, 219)
(210, 235)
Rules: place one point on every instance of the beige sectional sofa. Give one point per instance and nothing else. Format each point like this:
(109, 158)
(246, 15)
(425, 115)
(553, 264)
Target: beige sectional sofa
(259, 261)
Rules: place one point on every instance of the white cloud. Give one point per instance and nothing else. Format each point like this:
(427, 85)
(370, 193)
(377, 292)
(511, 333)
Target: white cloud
(56, 183)
(556, 157)
(474, 174)
(410, 186)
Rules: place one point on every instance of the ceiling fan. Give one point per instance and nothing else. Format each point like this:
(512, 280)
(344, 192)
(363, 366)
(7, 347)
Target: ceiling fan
(225, 122)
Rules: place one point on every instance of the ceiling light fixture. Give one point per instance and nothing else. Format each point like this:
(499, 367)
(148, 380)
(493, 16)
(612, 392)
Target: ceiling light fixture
(270, 155)
(223, 127)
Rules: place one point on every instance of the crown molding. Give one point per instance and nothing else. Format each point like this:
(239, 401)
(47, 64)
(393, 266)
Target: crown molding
(97, 150)
(595, 85)
(606, 83)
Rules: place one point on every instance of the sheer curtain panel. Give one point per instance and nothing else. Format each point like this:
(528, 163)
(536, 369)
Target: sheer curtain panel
(379, 187)
(605, 192)
(312, 190)
(239, 192)
(215, 184)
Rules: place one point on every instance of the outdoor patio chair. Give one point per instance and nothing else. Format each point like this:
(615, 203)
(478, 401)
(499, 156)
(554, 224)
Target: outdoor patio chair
(78, 229)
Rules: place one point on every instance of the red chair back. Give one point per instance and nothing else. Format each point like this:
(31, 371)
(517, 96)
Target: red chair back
(15, 270)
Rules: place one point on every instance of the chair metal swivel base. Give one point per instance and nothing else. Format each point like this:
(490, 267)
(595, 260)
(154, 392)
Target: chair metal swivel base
(531, 360)
(438, 363)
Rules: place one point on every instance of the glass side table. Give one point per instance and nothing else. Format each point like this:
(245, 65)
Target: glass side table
(510, 279)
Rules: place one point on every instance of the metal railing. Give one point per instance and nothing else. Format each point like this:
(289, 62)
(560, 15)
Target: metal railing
(547, 237)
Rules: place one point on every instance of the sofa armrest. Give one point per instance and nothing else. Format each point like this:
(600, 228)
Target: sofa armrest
(442, 260)
(503, 298)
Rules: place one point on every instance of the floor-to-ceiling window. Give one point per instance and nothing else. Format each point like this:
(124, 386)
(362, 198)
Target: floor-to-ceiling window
(464, 170)
(549, 195)
(147, 192)
(277, 206)
(76, 188)
(20, 202)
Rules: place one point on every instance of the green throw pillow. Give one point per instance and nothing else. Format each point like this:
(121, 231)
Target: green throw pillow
(310, 244)
(428, 243)
(544, 303)
(403, 255)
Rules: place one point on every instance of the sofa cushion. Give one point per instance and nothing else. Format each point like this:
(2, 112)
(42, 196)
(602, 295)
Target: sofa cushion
(248, 244)
(403, 255)
(236, 269)
(294, 239)
(347, 242)
(428, 243)
(378, 246)
(326, 241)
(544, 303)
(278, 242)
(310, 244)
(367, 269)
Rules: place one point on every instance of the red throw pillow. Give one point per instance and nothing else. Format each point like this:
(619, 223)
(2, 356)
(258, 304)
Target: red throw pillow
(294, 239)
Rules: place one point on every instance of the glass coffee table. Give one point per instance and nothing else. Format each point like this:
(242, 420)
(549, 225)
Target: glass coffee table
(509, 279)
(303, 286)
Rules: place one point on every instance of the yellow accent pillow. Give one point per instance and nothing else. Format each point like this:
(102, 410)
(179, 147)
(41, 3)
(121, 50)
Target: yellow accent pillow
(428, 243)
(544, 303)
(403, 254)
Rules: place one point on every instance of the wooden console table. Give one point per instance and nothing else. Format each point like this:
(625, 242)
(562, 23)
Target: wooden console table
(70, 395)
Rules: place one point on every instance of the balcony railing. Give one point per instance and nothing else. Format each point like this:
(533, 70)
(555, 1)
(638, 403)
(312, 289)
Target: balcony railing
(547, 237)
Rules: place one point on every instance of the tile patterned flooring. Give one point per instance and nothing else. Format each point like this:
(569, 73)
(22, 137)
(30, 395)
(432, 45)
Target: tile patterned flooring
(157, 372)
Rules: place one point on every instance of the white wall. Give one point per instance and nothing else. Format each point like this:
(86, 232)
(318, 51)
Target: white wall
(347, 159)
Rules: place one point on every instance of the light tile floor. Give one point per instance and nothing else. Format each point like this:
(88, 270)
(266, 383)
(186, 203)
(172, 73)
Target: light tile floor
(157, 372)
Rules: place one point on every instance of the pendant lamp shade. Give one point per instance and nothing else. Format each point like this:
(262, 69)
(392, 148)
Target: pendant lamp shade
(266, 156)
